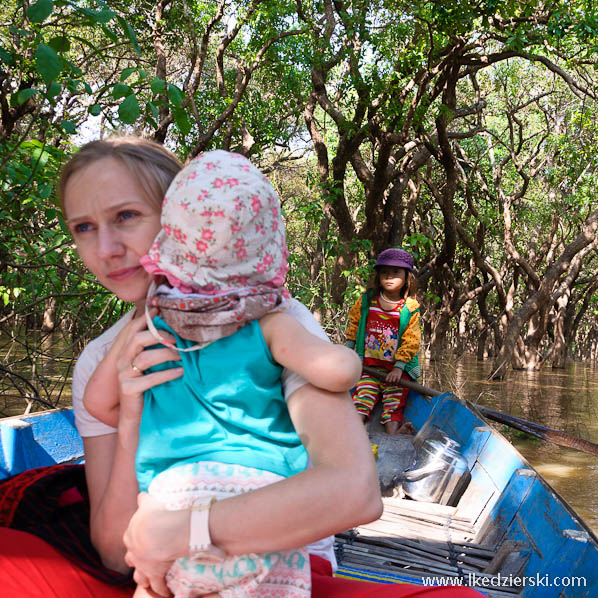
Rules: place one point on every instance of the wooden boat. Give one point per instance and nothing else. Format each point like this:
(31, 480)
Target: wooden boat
(510, 533)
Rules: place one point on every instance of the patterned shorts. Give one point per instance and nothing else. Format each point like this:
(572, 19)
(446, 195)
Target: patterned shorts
(280, 574)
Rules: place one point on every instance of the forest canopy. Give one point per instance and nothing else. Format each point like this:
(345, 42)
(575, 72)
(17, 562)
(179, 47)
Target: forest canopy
(460, 131)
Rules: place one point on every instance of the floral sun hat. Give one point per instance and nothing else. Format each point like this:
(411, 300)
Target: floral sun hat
(221, 228)
(222, 247)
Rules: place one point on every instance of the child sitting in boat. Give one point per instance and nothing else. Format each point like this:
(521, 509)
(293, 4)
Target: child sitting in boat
(384, 330)
(223, 428)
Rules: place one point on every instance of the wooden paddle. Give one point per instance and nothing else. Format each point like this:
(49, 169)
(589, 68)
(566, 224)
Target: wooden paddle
(550, 435)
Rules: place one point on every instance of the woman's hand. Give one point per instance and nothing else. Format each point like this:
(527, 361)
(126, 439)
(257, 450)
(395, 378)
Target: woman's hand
(133, 360)
(160, 536)
(149, 575)
(154, 538)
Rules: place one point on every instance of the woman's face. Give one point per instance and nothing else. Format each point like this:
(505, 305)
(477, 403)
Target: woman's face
(113, 226)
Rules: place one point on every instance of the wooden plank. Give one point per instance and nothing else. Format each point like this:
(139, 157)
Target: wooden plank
(475, 503)
(416, 506)
(460, 524)
(428, 523)
(432, 567)
(422, 557)
(412, 530)
(483, 555)
(440, 552)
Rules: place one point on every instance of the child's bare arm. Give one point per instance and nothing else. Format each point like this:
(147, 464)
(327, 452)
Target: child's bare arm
(101, 393)
(328, 366)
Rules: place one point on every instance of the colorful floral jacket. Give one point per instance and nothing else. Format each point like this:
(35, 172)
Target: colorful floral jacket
(406, 357)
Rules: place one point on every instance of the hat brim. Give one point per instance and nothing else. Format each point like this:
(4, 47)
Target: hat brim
(394, 264)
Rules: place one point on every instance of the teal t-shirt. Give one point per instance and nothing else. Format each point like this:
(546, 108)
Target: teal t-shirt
(228, 406)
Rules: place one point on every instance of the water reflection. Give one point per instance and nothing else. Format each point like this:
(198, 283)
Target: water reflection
(34, 365)
(566, 400)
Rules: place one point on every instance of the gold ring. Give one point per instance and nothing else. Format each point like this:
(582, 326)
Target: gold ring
(134, 367)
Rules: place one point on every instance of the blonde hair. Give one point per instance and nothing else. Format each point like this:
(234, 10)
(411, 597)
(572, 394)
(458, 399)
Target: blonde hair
(148, 162)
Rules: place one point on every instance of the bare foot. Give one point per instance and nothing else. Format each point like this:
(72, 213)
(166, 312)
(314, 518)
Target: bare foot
(391, 427)
(406, 428)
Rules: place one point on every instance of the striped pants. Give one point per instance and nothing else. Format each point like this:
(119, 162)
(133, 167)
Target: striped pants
(369, 390)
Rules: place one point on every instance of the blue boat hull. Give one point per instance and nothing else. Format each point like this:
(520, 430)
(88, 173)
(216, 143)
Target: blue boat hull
(522, 507)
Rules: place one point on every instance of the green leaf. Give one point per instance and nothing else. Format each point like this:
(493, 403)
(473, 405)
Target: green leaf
(45, 191)
(130, 33)
(120, 90)
(128, 111)
(99, 16)
(110, 34)
(69, 126)
(25, 94)
(40, 11)
(48, 63)
(95, 109)
(53, 89)
(87, 87)
(40, 156)
(73, 85)
(60, 43)
(175, 95)
(158, 86)
(127, 73)
(104, 16)
(153, 108)
(181, 120)
(5, 56)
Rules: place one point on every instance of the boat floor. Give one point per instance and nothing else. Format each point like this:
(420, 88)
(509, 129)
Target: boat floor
(421, 540)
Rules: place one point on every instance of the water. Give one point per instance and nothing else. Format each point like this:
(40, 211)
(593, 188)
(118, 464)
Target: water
(565, 400)
(45, 361)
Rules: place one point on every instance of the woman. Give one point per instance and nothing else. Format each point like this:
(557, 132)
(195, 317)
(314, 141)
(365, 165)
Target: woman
(112, 192)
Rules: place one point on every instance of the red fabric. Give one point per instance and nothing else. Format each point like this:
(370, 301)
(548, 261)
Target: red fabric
(51, 503)
(31, 568)
(381, 336)
(13, 490)
(323, 585)
(397, 414)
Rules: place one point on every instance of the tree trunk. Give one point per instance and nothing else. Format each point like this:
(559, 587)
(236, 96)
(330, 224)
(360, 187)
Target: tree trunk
(439, 339)
(462, 340)
(541, 298)
(533, 358)
(481, 351)
(560, 352)
(49, 321)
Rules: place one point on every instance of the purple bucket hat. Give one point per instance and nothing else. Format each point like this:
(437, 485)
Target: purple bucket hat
(399, 258)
